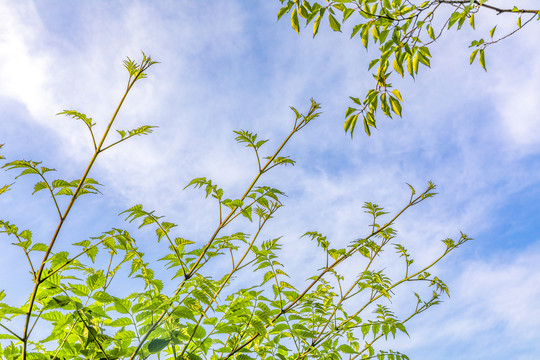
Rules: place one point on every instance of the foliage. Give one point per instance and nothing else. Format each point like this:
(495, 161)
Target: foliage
(403, 32)
(332, 315)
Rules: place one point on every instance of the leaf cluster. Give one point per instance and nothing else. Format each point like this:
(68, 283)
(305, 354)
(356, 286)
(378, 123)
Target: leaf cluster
(102, 298)
(402, 33)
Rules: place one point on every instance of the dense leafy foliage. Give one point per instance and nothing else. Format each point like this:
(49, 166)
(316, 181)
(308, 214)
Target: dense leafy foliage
(403, 31)
(266, 315)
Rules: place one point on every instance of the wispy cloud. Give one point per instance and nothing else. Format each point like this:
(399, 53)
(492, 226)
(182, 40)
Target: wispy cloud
(225, 66)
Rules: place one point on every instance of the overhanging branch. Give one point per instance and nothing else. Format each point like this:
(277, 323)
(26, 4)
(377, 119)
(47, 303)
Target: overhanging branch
(491, 7)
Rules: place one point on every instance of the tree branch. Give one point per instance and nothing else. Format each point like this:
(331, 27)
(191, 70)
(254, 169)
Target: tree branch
(491, 7)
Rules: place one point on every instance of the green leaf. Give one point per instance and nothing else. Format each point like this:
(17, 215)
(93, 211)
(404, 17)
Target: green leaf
(349, 111)
(303, 12)
(364, 35)
(410, 67)
(350, 123)
(397, 94)
(431, 32)
(492, 31)
(366, 126)
(415, 62)
(95, 281)
(398, 66)
(156, 345)
(347, 13)
(247, 213)
(26, 234)
(453, 18)
(396, 106)
(102, 297)
(122, 305)
(334, 24)
(482, 59)
(317, 23)
(4, 188)
(40, 186)
(347, 349)
(294, 21)
(79, 289)
(24, 244)
(283, 11)
(121, 322)
(77, 115)
(365, 329)
(473, 56)
(356, 28)
(401, 327)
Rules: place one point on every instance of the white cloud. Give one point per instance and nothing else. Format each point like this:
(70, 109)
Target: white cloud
(24, 63)
(493, 311)
(224, 68)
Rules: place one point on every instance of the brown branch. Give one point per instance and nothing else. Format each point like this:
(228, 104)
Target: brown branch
(491, 7)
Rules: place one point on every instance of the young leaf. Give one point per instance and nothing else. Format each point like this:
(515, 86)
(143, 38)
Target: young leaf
(77, 115)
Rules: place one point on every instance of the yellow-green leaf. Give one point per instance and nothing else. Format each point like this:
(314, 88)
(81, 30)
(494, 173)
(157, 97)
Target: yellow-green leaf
(303, 12)
(482, 59)
(396, 106)
(492, 31)
(350, 123)
(415, 63)
(366, 127)
(410, 68)
(397, 94)
(334, 24)
(349, 111)
(473, 56)
(431, 33)
(294, 21)
(398, 66)
(316, 24)
(4, 188)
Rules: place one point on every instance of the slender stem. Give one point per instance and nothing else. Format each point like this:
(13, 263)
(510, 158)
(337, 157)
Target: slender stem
(417, 200)
(27, 257)
(224, 282)
(373, 299)
(344, 297)
(91, 332)
(64, 340)
(223, 223)
(51, 273)
(246, 193)
(11, 332)
(491, 7)
(52, 195)
(38, 280)
(108, 272)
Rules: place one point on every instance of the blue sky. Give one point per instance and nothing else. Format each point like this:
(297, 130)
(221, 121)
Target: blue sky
(230, 65)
